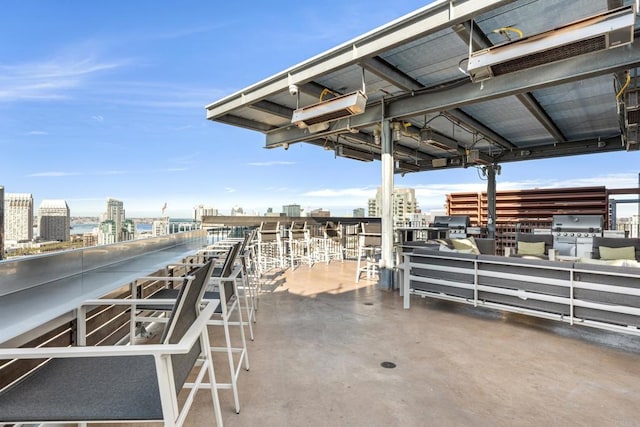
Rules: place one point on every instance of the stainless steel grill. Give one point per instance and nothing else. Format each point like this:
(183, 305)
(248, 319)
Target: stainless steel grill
(573, 234)
(454, 225)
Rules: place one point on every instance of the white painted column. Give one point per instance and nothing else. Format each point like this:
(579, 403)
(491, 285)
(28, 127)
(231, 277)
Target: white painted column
(387, 259)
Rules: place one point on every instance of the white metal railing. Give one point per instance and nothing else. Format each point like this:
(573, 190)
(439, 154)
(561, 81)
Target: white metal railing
(610, 304)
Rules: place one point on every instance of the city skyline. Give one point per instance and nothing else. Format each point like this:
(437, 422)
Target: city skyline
(107, 101)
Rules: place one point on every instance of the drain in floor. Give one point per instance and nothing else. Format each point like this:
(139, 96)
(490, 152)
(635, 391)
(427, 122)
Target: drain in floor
(388, 365)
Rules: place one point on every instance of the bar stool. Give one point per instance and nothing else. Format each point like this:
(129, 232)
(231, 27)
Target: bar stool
(270, 248)
(369, 248)
(331, 245)
(299, 244)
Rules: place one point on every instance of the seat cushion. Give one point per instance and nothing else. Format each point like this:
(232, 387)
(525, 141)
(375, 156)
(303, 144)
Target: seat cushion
(530, 248)
(86, 388)
(625, 252)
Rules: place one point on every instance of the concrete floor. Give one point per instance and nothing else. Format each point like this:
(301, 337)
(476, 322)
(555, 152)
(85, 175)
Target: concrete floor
(321, 340)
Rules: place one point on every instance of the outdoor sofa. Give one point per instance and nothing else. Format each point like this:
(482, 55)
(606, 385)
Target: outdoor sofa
(603, 293)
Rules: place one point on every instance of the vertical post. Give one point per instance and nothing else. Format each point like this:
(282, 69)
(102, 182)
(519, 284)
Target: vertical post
(491, 200)
(386, 264)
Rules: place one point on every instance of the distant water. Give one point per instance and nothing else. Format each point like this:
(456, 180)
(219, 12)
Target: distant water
(91, 226)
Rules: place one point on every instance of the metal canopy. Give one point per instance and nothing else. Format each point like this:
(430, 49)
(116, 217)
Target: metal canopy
(412, 70)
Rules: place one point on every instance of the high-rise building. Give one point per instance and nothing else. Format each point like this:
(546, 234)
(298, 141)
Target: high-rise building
(128, 230)
(1, 222)
(54, 220)
(372, 208)
(358, 213)
(404, 203)
(291, 210)
(114, 213)
(18, 217)
(107, 232)
(202, 211)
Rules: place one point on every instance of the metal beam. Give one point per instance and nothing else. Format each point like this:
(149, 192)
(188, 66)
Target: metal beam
(467, 120)
(428, 20)
(273, 108)
(391, 74)
(531, 103)
(314, 89)
(481, 41)
(245, 123)
(420, 103)
(578, 68)
(591, 146)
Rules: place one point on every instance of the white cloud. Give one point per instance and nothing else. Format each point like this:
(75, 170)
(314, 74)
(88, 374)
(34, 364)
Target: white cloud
(230, 190)
(54, 174)
(48, 80)
(98, 118)
(37, 132)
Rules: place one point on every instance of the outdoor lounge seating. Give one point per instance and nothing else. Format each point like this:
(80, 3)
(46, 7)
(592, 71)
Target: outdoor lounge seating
(586, 292)
(138, 383)
(614, 242)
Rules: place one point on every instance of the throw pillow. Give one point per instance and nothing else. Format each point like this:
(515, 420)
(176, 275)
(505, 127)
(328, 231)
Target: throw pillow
(626, 252)
(466, 244)
(445, 248)
(530, 248)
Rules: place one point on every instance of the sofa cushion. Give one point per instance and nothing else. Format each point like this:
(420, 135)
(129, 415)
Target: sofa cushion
(625, 252)
(533, 238)
(530, 248)
(611, 262)
(615, 242)
(466, 244)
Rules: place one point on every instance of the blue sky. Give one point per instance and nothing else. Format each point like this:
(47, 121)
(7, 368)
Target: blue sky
(106, 99)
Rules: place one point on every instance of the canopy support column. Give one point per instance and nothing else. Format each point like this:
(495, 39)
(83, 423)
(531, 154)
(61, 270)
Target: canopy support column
(490, 171)
(386, 261)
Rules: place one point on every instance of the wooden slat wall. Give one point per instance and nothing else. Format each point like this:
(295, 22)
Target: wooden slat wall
(525, 210)
(515, 206)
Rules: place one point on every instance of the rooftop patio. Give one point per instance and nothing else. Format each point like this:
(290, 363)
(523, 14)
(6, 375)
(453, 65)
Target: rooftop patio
(321, 340)
(330, 351)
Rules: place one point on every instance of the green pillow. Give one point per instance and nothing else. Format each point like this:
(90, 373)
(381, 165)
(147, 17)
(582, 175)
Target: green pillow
(466, 244)
(626, 252)
(530, 248)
